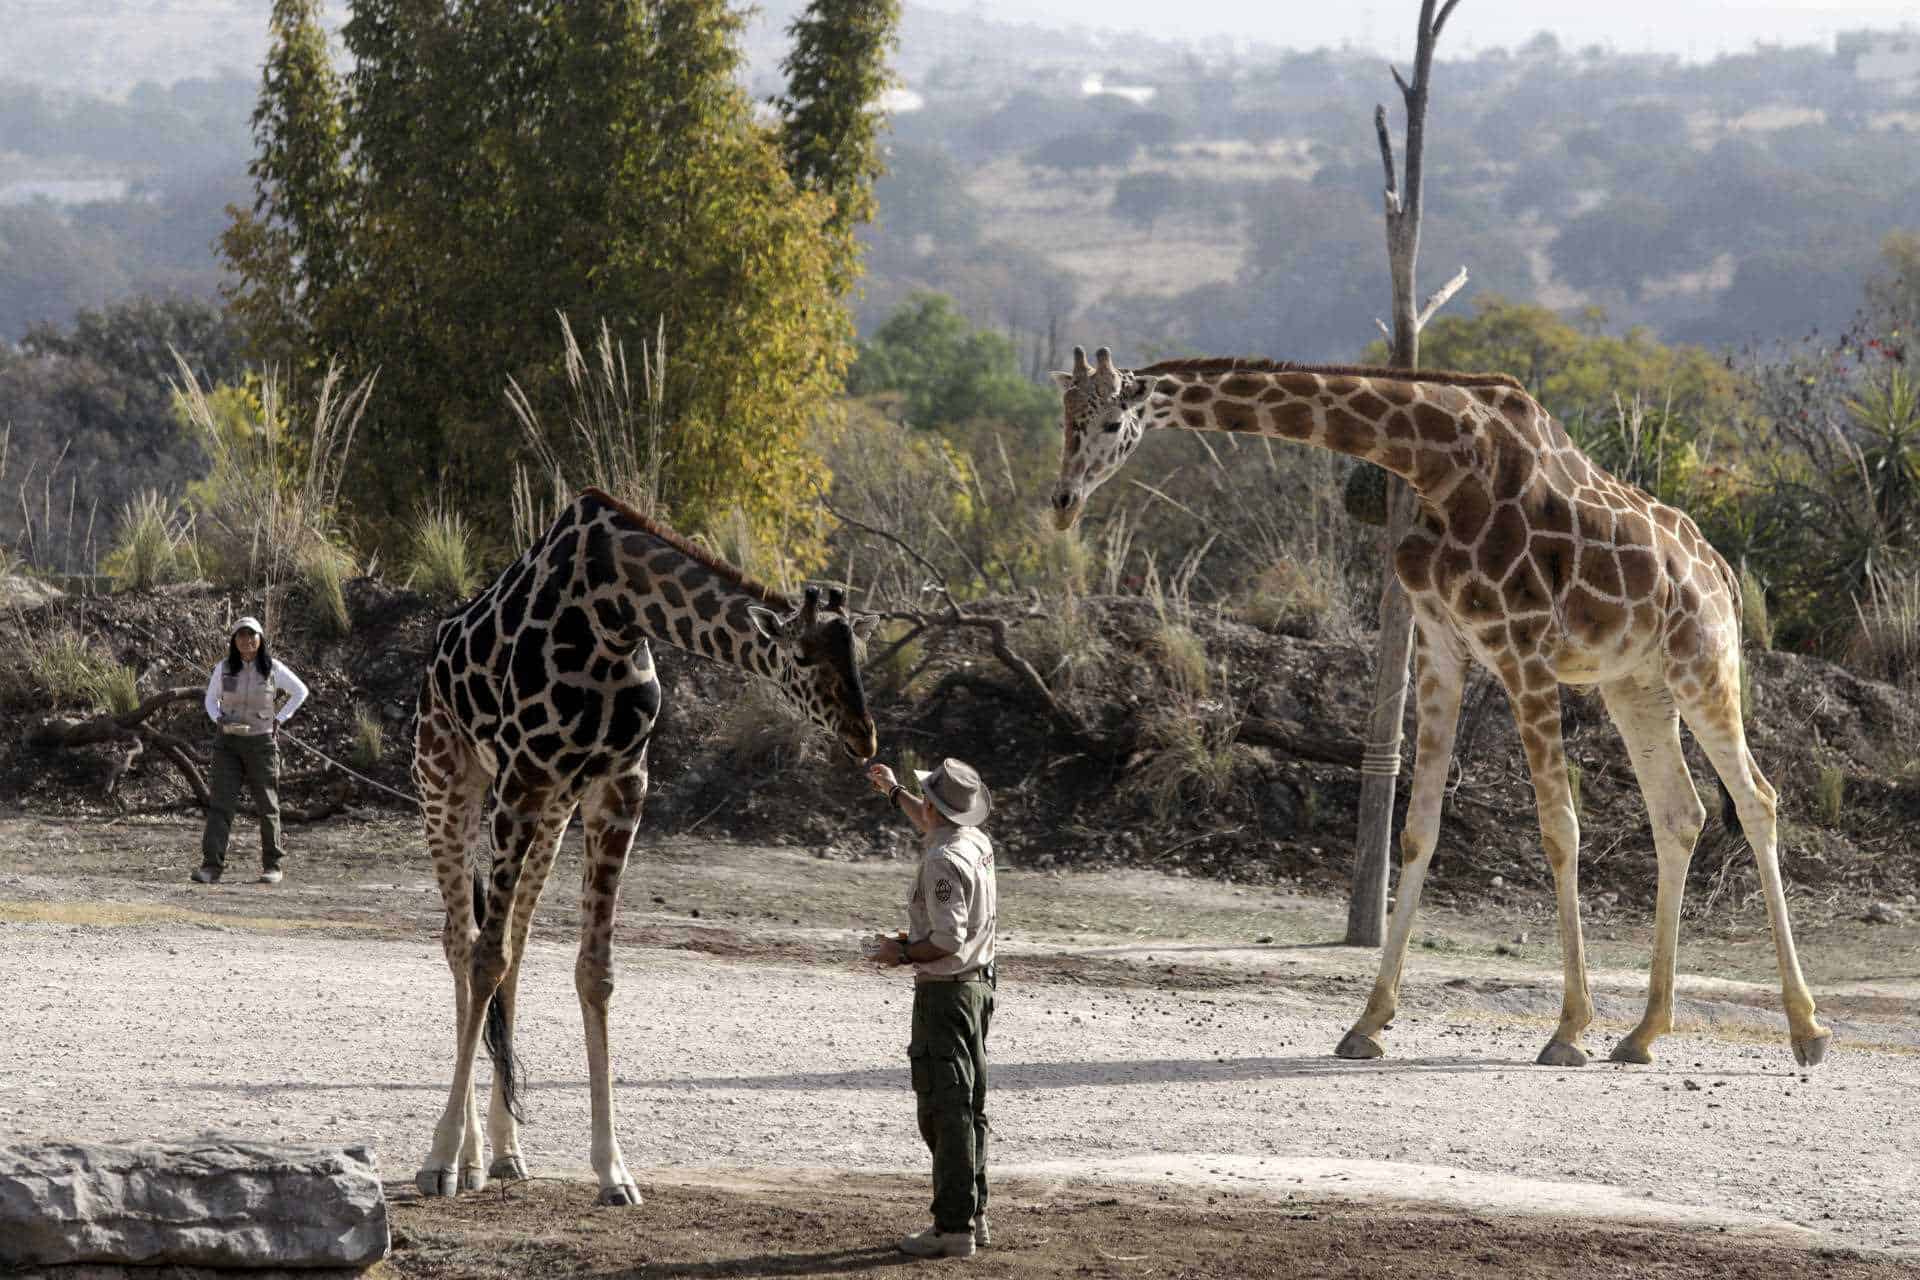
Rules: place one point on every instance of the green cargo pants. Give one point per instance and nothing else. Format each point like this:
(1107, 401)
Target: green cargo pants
(255, 759)
(948, 1055)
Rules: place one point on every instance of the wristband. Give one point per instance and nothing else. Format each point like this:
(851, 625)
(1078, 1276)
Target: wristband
(894, 792)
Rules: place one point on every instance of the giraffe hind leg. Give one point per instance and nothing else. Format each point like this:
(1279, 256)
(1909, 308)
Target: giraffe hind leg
(1712, 710)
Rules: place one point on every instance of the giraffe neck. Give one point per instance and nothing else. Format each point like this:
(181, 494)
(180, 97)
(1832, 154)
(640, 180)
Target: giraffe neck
(639, 583)
(1406, 424)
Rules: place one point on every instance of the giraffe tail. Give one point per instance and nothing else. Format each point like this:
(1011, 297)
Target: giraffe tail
(497, 1034)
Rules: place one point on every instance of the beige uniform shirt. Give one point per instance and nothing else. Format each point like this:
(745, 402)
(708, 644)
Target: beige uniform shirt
(954, 901)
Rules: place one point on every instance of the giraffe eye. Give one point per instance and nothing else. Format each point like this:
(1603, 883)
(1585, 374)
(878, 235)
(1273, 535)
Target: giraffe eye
(1112, 427)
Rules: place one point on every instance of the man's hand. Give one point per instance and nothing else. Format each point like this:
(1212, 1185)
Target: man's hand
(886, 948)
(881, 777)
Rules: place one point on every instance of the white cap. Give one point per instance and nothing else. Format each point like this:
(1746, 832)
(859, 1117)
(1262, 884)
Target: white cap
(248, 623)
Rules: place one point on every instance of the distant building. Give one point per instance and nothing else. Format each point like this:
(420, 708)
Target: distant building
(1887, 58)
(1138, 94)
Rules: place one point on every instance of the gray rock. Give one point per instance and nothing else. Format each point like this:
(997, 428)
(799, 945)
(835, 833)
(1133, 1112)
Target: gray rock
(1885, 913)
(212, 1201)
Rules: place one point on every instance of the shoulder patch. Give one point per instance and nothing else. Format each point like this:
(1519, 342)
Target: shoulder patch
(943, 890)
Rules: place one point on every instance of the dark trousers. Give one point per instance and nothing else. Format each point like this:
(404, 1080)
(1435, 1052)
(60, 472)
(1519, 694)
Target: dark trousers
(255, 760)
(948, 1054)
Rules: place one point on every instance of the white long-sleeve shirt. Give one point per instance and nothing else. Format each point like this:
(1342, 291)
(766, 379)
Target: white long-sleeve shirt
(281, 678)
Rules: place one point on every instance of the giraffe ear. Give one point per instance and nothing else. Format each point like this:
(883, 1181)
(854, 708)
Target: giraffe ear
(1137, 392)
(767, 623)
(863, 624)
(1062, 380)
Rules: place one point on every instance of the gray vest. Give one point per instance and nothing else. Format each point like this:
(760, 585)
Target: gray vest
(247, 698)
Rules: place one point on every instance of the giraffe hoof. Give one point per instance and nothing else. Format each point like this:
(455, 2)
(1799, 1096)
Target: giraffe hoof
(621, 1195)
(437, 1183)
(1811, 1052)
(1559, 1053)
(471, 1179)
(1357, 1047)
(1628, 1051)
(509, 1169)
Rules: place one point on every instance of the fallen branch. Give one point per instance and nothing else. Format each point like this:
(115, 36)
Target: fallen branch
(1302, 746)
(954, 616)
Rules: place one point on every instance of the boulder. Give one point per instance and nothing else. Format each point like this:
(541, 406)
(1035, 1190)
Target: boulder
(212, 1201)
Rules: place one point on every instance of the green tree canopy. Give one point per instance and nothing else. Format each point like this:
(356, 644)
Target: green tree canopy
(485, 166)
(948, 371)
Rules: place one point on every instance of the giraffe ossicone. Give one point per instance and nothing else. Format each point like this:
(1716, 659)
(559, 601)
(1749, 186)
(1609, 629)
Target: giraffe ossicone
(1524, 556)
(539, 699)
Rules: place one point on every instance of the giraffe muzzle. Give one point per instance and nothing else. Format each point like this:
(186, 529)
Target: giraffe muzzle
(1066, 508)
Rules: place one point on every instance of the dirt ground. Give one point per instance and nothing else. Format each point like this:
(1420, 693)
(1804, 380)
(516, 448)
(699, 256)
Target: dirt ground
(1164, 1099)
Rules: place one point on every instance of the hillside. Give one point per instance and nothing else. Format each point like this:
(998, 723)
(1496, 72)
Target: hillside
(1284, 813)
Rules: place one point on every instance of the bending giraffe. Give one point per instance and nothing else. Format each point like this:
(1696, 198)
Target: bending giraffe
(539, 698)
(1528, 558)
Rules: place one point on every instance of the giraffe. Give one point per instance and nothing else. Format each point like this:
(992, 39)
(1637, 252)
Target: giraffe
(1528, 558)
(539, 699)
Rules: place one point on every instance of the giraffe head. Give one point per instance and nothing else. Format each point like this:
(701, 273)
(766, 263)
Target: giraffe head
(816, 668)
(1100, 416)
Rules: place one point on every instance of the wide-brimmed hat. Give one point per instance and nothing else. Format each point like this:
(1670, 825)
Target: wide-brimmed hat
(955, 789)
(248, 623)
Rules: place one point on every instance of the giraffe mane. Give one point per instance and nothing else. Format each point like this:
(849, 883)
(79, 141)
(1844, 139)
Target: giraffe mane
(693, 551)
(1252, 364)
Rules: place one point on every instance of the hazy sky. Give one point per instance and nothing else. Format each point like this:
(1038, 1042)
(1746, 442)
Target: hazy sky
(1697, 29)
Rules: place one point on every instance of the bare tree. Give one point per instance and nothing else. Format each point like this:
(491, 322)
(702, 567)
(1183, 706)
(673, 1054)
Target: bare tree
(1380, 763)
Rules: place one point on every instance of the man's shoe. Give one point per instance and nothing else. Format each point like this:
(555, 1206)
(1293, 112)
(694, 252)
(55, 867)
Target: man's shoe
(270, 876)
(981, 1236)
(205, 875)
(935, 1243)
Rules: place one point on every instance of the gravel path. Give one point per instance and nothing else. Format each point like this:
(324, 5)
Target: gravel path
(164, 1030)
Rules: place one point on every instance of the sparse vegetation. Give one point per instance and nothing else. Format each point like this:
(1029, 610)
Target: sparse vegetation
(68, 670)
(369, 737)
(324, 570)
(445, 565)
(1830, 794)
(152, 544)
(761, 735)
(1192, 756)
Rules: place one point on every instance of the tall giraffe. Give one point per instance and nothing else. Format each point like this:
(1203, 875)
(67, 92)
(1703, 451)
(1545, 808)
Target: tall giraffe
(1532, 560)
(539, 698)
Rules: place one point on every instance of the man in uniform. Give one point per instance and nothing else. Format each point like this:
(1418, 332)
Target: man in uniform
(949, 943)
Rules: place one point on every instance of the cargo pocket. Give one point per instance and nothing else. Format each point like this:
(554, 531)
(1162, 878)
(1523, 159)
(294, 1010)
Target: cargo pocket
(921, 1065)
(953, 1077)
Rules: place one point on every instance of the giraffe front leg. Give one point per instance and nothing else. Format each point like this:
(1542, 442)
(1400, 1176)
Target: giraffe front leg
(1538, 713)
(456, 1159)
(1644, 714)
(612, 814)
(1440, 676)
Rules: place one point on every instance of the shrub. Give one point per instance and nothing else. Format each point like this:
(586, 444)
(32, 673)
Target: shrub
(1193, 756)
(261, 511)
(1830, 793)
(1066, 644)
(444, 566)
(1293, 598)
(324, 569)
(761, 734)
(369, 737)
(1755, 624)
(69, 670)
(148, 550)
(1886, 643)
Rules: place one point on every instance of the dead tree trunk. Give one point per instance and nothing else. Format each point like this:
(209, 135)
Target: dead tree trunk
(1380, 764)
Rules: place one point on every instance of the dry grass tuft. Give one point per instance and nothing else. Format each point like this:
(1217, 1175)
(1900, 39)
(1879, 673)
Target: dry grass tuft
(369, 737)
(1830, 794)
(761, 734)
(444, 565)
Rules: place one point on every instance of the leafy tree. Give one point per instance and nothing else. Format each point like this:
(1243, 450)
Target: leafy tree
(948, 371)
(506, 161)
(835, 74)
